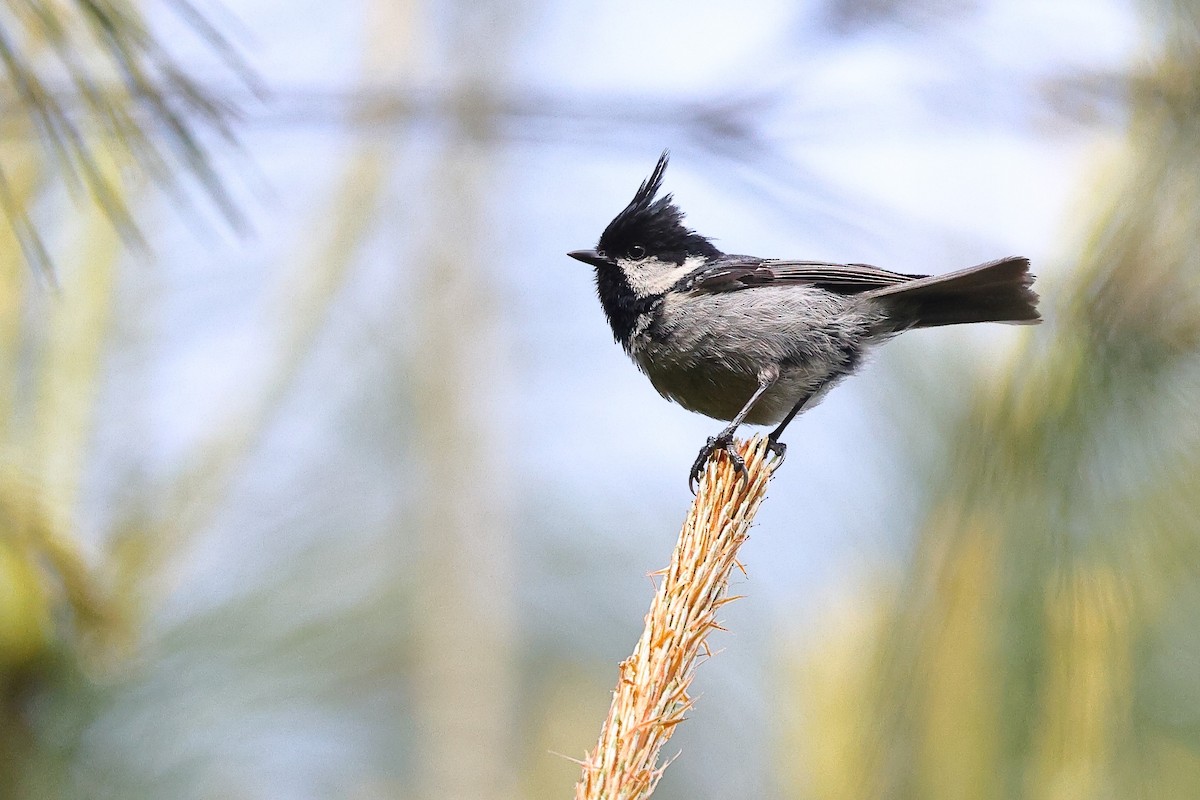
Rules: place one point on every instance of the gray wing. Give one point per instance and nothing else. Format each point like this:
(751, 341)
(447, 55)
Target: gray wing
(742, 272)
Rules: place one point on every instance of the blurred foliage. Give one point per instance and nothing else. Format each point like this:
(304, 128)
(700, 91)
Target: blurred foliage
(106, 106)
(1040, 645)
(91, 99)
(51, 601)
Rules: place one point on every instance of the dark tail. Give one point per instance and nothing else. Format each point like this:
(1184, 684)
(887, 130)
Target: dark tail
(998, 291)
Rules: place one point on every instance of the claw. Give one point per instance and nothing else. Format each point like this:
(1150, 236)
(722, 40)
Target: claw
(777, 447)
(721, 443)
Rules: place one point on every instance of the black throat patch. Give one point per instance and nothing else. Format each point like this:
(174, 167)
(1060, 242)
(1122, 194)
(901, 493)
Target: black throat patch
(622, 307)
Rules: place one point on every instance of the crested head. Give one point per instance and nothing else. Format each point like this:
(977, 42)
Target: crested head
(642, 253)
(654, 227)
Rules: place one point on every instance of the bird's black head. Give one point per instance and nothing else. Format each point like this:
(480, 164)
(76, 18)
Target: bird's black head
(652, 227)
(642, 254)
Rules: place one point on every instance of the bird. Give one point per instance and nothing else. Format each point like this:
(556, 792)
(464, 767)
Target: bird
(757, 341)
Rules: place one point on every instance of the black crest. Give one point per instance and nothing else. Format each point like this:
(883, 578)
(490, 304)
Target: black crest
(654, 227)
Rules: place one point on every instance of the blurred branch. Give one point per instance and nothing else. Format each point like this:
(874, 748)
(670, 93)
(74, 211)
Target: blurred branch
(532, 115)
(847, 17)
(464, 543)
(730, 130)
(12, 284)
(651, 697)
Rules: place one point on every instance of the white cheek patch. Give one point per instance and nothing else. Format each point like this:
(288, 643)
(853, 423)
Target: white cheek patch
(650, 276)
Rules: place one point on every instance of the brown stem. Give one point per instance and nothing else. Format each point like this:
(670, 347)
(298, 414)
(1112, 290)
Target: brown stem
(651, 696)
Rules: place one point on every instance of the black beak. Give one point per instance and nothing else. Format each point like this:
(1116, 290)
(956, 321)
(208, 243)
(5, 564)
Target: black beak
(590, 257)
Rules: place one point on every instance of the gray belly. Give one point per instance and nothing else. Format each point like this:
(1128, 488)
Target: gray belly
(707, 353)
(717, 391)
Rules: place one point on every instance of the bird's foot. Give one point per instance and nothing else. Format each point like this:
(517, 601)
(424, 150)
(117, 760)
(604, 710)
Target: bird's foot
(778, 448)
(722, 442)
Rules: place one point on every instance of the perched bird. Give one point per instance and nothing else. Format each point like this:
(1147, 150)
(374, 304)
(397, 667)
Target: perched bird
(758, 340)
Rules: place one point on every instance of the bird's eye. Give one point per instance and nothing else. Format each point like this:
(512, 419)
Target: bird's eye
(637, 252)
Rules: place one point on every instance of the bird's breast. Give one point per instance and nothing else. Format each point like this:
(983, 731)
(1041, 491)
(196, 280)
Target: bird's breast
(707, 352)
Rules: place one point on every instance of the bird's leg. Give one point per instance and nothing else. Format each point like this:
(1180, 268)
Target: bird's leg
(723, 441)
(777, 447)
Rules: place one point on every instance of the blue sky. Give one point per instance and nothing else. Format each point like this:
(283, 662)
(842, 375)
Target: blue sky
(926, 142)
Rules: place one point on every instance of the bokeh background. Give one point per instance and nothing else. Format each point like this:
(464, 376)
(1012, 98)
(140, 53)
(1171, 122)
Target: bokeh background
(320, 475)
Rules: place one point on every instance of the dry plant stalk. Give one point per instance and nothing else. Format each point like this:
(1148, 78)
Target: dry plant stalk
(651, 696)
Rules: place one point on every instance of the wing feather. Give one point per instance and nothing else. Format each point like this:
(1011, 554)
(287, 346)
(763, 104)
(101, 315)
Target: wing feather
(737, 273)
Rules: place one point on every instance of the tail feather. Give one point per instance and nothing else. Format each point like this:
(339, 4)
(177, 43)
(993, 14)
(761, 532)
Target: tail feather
(998, 291)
